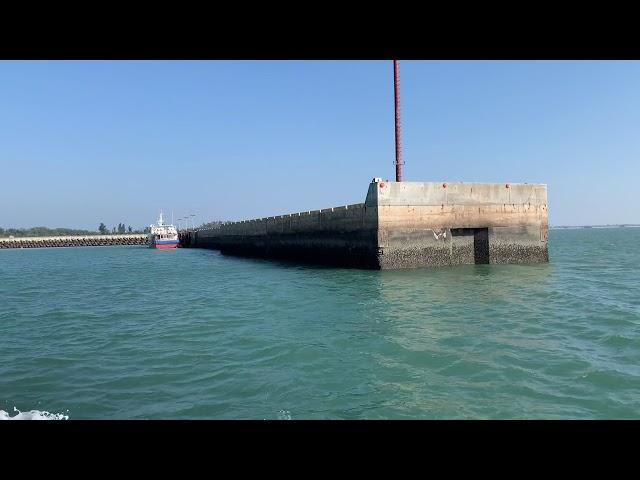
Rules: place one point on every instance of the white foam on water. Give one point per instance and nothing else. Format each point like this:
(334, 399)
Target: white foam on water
(284, 415)
(32, 415)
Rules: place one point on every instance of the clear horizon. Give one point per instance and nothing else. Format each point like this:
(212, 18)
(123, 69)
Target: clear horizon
(85, 142)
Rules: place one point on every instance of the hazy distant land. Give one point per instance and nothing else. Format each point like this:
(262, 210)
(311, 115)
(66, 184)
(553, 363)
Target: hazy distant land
(622, 225)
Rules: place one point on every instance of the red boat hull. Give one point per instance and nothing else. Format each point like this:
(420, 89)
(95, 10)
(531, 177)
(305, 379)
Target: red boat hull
(170, 245)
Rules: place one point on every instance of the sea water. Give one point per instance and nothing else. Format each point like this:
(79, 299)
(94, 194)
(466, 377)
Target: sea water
(134, 333)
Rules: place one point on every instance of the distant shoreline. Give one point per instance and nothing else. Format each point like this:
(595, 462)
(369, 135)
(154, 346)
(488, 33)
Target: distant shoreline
(88, 234)
(624, 225)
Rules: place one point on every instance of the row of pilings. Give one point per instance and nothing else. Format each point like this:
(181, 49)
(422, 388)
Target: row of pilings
(74, 241)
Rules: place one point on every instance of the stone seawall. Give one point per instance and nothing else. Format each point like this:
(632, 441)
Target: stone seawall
(400, 225)
(74, 241)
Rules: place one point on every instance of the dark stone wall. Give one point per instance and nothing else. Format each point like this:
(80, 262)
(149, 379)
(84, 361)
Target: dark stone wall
(408, 249)
(348, 249)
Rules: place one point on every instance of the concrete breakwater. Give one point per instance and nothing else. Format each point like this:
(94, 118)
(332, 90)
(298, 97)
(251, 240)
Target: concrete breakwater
(400, 225)
(74, 241)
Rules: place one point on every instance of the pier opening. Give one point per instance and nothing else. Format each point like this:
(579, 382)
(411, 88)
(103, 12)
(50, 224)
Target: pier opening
(480, 242)
(481, 246)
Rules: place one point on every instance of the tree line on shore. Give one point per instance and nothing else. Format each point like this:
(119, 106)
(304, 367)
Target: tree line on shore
(120, 229)
(60, 232)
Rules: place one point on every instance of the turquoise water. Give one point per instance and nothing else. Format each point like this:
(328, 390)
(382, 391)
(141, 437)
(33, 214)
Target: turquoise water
(130, 332)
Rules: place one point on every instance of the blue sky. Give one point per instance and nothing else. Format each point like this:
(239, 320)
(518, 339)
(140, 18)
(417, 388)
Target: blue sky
(84, 142)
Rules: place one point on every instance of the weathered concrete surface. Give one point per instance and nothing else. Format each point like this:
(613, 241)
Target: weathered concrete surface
(426, 224)
(74, 241)
(401, 225)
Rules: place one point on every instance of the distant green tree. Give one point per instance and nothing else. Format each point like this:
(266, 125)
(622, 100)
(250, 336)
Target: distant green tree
(103, 229)
(43, 232)
(121, 228)
(129, 228)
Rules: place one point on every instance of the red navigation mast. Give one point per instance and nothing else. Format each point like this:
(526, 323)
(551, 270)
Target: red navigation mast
(396, 96)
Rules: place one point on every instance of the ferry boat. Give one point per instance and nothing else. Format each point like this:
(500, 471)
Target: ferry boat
(162, 235)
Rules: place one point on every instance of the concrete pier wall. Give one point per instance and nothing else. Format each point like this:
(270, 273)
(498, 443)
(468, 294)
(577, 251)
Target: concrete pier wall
(344, 235)
(429, 224)
(401, 225)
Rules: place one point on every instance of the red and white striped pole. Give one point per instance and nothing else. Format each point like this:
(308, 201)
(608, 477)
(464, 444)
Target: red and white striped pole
(396, 96)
